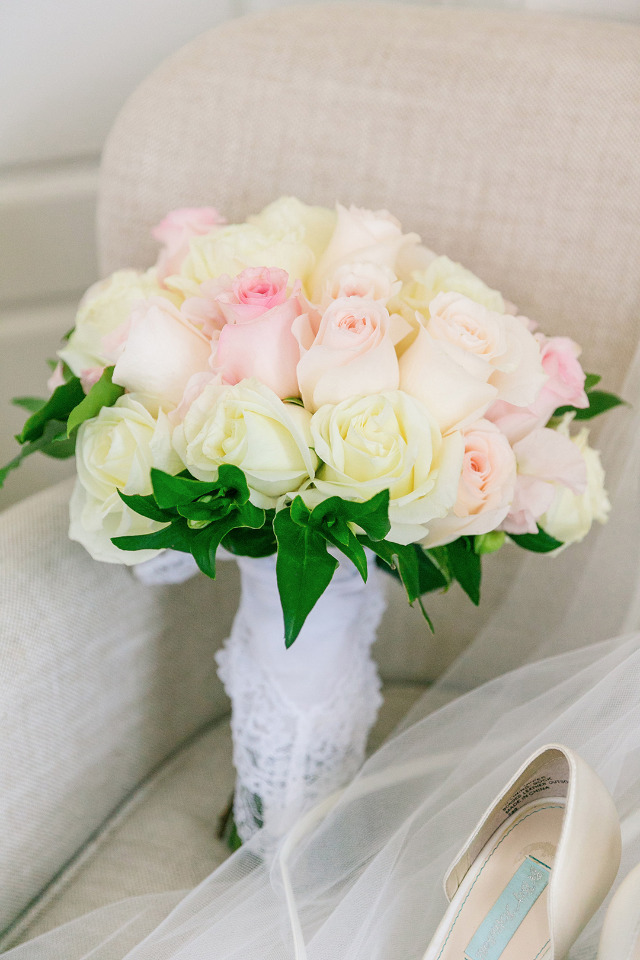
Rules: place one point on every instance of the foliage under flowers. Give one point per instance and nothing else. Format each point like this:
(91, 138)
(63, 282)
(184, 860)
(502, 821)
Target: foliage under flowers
(311, 384)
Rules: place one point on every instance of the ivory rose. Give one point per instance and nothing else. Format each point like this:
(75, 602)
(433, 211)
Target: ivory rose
(115, 451)
(249, 426)
(351, 351)
(486, 487)
(233, 248)
(362, 236)
(288, 216)
(104, 307)
(570, 515)
(545, 460)
(175, 232)
(158, 352)
(564, 387)
(443, 275)
(388, 440)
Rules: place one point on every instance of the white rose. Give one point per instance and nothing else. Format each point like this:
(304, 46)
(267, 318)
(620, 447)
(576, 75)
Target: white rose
(115, 451)
(249, 426)
(493, 347)
(288, 217)
(363, 236)
(370, 281)
(486, 487)
(445, 276)
(160, 352)
(104, 307)
(230, 250)
(570, 516)
(388, 441)
(455, 396)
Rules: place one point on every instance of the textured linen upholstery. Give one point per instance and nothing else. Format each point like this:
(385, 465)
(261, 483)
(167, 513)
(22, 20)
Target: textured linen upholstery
(101, 678)
(509, 141)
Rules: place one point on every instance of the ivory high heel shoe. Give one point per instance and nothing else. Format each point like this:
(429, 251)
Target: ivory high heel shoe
(536, 868)
(620, 937)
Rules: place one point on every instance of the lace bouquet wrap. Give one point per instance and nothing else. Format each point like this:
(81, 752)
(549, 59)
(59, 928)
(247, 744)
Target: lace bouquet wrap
(317, 394)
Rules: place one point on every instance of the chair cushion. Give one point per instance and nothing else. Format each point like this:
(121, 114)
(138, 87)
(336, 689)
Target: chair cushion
(164, 837)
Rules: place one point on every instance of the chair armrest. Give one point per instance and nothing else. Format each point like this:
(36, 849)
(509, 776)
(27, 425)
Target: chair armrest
(101, 677)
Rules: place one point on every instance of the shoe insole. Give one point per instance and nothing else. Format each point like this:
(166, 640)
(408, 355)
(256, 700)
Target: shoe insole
(503, 910)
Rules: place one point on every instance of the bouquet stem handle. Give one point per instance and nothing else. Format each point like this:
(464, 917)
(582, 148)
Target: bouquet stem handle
(300, 717)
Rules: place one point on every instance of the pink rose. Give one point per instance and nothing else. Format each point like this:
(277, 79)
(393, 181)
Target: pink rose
(205, 311)
(160, 352)
(247, 296)
(254, 291)
(486, 486)
(57, 377)
(90, 377)
(545, 458)
(264, 347)
(564, 387)
(350, 352)
(175, 231)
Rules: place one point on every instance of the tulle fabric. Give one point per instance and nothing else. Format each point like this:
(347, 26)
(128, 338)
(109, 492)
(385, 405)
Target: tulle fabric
(360, 877)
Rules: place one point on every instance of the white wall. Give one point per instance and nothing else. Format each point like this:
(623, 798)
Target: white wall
(66, 66)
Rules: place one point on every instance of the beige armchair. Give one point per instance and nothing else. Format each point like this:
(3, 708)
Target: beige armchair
(509, 142)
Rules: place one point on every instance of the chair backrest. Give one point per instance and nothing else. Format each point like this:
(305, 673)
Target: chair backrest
(509, 141)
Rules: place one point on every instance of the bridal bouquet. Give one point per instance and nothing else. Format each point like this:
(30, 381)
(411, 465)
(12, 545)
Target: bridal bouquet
(316, 379)
(310, 390)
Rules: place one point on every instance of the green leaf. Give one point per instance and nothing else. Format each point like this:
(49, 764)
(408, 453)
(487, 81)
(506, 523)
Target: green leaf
(591, 381)
(599, 402)
(466, 566)
(58, 407)
(489, 542)
(32, 404)
(539, 542)
(204, 544)
(52, 442)
(245, 542)
(104, 393)
(401, 558)
(298, 402)
(300, 512)
(440, 557)
(210, 507)
(61, 448)
(170, 491)
(372, 515)
(303, 568)
(145, 506)
(430, 576)
(183, 489)
(412, 567)
(346, 541)
(157, 540)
